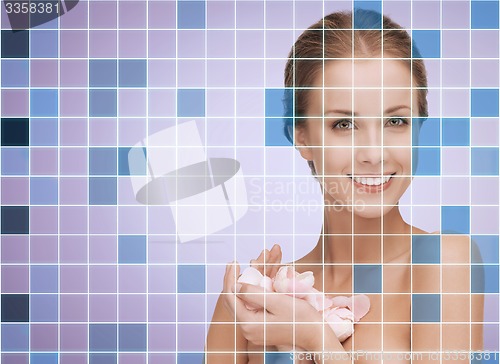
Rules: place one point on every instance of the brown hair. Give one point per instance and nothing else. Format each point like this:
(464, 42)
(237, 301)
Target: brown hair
(335, 37)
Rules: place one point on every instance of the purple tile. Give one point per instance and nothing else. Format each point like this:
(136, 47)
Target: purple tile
(279, 161)
(15, 249)
(71, 358)
(249, 103)
(43, 278)
(491, 308)
(426, 14)
(191, 337)
(433, 68)
(103, 131)
(193, 253)
(44, 73)
(15, 279)
(161, 337)
(250, 44)
(456, 73)
(43, 131)
(74, 337)
(132, 15)
(484, 191)
(484, 73)
(219, 104)
(103, 44)
(44, 337)
(250, 73)
(220, 73)
(279, 15)
(333, 6)
(74, 307)
(73, 191)
(132, 102)
(491, 333)
(73, 248)
(456, 103)
(191, 308)
(427, 218)
(399, 11)
(161, 73)
(161, 15)
(484, 132)
(103, 307)
(250, 132)
(222, 252)
(74, 73)
(14, 358)
(162, 358)
(251, 160)
(191, 44)
(132, 44)
(220, 43)
(455, 161)
(484, 220)
(15, 161)
(274, 73)
(161, 308)
(191, 73)
(132, 358)
(15, 191)
(250, 14)
(484, 43)
(73, 279)
(161, 279)
(455, 191)
(73, 220)
(103, 249)
(132, 220)
(73, 103)
(456, 14)
(103, 15)
(131, 130)
(15, 103)
(217, 14)
(278, 218)
(161, 44)
(132, 308)
(44, 161)
(73, 131)
(161, 250)
(103, 278)
(73, 43)
(215, 275)
(77, 18)
(161, 103)
(43, 249)
(434, 100)
(43, 220)
(73, 161)
(132, 279)
(126, 194)
(103, 219)
(455, 43)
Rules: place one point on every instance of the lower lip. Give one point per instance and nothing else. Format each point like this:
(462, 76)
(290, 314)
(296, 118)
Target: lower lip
(372, 189)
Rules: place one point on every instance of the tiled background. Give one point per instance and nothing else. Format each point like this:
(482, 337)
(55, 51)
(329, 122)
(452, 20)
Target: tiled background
(90, 275)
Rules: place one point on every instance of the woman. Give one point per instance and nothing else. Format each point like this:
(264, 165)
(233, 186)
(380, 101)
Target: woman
(356, 97)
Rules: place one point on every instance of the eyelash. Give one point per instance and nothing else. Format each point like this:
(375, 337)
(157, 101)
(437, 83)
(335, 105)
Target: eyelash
(334, 126)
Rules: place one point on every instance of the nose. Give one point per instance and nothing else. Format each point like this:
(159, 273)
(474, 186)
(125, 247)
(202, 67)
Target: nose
(368, 144)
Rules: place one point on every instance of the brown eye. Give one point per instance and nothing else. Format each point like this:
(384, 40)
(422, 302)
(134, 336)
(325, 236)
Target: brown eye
(343, 124)
(397, 122)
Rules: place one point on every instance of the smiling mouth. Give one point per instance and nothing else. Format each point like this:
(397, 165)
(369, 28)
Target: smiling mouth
(372, 181)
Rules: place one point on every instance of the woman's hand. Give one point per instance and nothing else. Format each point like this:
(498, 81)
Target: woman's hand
(268, 262)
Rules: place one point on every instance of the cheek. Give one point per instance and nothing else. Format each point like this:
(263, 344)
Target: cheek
(335, 160)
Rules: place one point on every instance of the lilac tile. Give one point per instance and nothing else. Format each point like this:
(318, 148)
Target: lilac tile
(220, 103)
(103, 308)
(44, 73)
(191, 337)
(193, 252)
(250, 43)
(250, 132)
(274, 73)
(220, 73)
(132, 308)
(77, 18)
(249, 103)
(74, 337)
(191, 44)
(279, 15)
(220, 132)
(161, 279)
(484, 43)
(43, 220)
(427, 218)
(278, 218)
(103, 249)
(132, 358)
(73, 131)
(215, 277)
(14, 358)
(456, 14)
(44, 337)
(74, 73)
(161, 15)
(132, 220)
(484, 132)
(15, 249)
(132, 15)
(161, 250)
(222, 252)
(73, 103)
(15, 279)
(455, 191)
(44, 161)
(74, 307)
(131, 130)
(103, 131)
(334, 5)
(132, 44)
(491, 308)
(74, 43)
(71, 358)
(434, 101)
(43, 249)
(132, 102)
(73, 191)
(250, 15)
(433, 68)
(279, 161)
(73, 220)
(191, 308)
(73, 161)
(220, 43)
(251, 160)
(15, 191)
(456, 103)
(103, 15)
(426, 14)
(484, 73)
(103, 278)
(161, 73)
(103, 219)
(132, 279)
(484, 191)
(456, 73)
(161, 103)
(126, 194)
(217, 14)
(161, 308)
(455, 43)
(491, 333)
(250, 73)
(484, 220)
(161, 44)
(455, 161)
(73, 279)
(15, 103)
(399, 11)
(191, 73)
(161, 337)
(103, 44)
(73, 248)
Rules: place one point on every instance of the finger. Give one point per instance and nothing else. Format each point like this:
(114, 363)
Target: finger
(277, 255)
(259, 262)
(257, 296)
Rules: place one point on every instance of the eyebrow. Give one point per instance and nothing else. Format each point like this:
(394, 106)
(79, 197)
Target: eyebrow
(387, 111)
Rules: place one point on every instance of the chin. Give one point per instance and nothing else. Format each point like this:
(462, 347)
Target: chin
(371, 212)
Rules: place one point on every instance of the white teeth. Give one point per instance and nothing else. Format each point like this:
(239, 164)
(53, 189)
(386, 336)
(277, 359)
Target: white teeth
(372, 181)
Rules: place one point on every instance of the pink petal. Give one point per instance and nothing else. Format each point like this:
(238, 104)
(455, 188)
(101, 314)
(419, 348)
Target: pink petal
(342, 301)
(250, 276)
(361, 306)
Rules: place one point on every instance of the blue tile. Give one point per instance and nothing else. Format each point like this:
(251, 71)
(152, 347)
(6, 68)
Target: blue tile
(274, 133)
(15, 307)
(428, 134)
(102, 337)
(484, 102)
(133, 73)
(104, 358)
(367, 14)
(103, 102)
(484, 278)
(425, 249)
(484, 161)
(44, 358)
(191, 102)
(132, 337)
(428, 161)
(132, 249)
(44, 308)
(15, 161)
(367, 278)
(15, 219)
(279, 357)
(102, 73)
(102, 161)
(43, 102)
(102, 190)
(190, 358)
(15, 44)
(425, 307)
(275, 102)
(137, 158)
(15, 73)
(15, 132)
(44, 278)
(44, 43)
(43, 191)
(456, 132)
(487, 249)
(190, 14)
(427, 42)
(15, 337)
(484, 14)
(44, 132)
(191, 279)
(455, 218)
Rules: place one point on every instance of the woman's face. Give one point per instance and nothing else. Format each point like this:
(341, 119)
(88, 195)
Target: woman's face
(359, 125)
